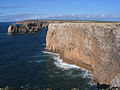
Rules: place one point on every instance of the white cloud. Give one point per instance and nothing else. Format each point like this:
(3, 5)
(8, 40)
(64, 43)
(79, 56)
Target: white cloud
(107, 17)
(94, 16)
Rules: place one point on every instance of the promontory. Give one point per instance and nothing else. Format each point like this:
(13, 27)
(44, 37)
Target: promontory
(28, 26)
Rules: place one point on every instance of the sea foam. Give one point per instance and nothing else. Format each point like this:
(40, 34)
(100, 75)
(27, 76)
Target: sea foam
(65, 66)
(59, 62)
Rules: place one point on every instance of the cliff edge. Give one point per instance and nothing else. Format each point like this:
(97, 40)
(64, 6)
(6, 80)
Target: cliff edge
(94, 46)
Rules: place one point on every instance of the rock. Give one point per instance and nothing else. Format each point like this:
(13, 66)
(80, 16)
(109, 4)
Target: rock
(9, 29)
(17, 29)
(103, 86)
(27, 27)
(7, 88)
(94, 46)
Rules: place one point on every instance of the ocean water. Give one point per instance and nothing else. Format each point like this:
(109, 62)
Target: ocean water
(24, 63)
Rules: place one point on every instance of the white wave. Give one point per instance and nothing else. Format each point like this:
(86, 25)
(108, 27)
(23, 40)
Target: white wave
(61, 64)
(37, 56)
(40, 56)
(87, 73)
(47, 52)
(44, 44)
(38, 61)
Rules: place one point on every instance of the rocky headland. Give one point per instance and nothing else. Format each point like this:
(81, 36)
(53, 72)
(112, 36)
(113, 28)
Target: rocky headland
(27, 27)
(94, 46)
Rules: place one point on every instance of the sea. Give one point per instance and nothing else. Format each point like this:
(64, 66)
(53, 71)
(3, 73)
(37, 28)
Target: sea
(25, 63)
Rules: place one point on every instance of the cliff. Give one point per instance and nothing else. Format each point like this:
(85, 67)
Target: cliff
(27, 27)
(94, 46)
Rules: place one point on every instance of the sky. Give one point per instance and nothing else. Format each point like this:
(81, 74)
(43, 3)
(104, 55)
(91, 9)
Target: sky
(17, 10)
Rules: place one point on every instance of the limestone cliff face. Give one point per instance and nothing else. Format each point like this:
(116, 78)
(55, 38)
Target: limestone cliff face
(94, 46)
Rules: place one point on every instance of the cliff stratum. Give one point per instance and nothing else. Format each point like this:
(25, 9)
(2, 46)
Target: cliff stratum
(94, 46)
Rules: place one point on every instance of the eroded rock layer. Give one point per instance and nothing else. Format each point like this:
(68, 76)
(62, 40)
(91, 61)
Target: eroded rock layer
(94, 46)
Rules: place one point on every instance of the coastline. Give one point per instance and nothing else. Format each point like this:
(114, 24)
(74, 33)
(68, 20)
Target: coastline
(88, 45)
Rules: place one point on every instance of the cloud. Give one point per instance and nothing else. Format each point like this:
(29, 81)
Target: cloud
(17, 17)
(14, 17)
(88, 16)
(10, 7)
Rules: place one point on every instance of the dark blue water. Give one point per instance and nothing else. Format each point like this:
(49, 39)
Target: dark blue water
(24, 63)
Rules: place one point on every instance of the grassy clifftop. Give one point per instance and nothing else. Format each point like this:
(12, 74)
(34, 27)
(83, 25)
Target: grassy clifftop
(71, 21)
